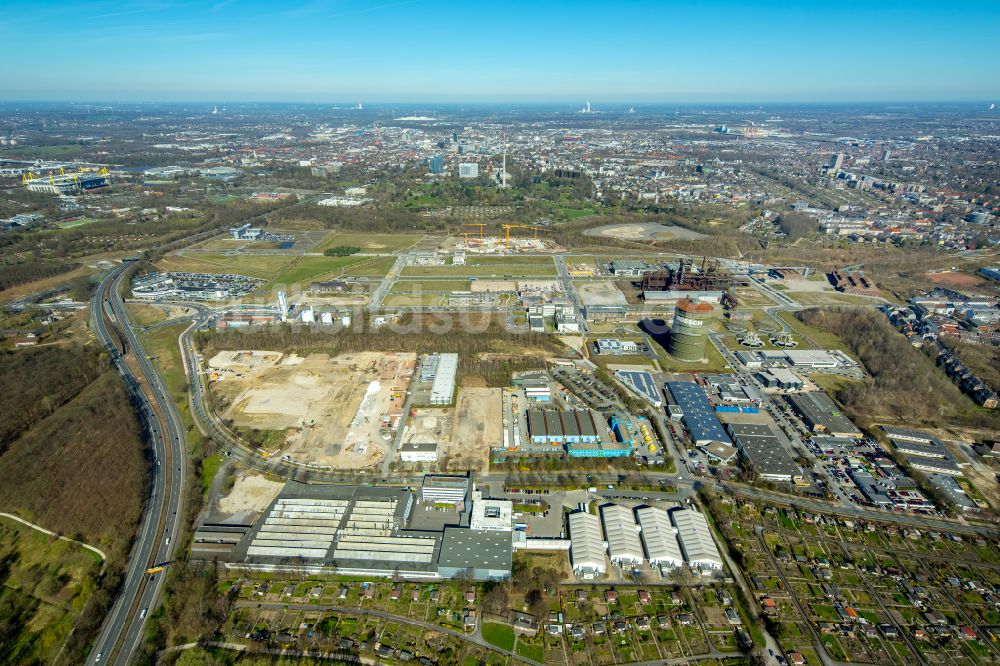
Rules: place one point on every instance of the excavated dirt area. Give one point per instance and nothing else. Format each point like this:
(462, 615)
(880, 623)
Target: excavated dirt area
(336, 412)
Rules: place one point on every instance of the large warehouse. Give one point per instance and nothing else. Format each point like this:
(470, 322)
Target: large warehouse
(662, 548)
(586, 551)
(622, 534)
(697, 414)
(763, 451)
(568, 427)
(821, 415)
(697, 544)
(443, 388)
(367, 531)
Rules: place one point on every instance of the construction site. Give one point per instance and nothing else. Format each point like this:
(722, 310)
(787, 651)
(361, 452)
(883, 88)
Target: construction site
(334, 412)
(477, 240)
(463, 434)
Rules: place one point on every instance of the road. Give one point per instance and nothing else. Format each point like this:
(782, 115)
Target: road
(122, 633)
(567, 285)
(375, 302)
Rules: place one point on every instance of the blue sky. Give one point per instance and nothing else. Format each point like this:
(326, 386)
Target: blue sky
(546, 50)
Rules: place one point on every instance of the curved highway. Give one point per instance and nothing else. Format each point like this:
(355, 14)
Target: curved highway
(122, 632)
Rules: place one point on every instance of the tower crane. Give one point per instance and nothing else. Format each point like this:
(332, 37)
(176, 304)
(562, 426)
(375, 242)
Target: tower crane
(508, 227)
(482, 227)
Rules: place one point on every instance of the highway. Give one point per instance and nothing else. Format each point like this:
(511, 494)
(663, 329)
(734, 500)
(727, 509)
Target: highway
(122, 633)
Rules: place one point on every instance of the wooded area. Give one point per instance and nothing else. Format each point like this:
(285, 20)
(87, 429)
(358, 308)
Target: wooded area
(73, 461)
(12, 275)
(45, 379)
(906, 386)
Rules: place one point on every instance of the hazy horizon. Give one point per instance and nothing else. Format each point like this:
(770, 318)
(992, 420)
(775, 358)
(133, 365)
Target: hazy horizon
(438, 51)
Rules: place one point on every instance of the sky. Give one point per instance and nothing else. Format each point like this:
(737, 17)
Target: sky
(499, 51)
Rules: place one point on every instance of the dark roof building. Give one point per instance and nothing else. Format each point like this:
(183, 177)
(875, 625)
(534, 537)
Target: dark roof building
(699, 417)
(486, 555)
(821, 414)
(763, 450)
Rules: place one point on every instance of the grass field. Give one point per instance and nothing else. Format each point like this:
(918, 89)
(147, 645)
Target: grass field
(500, 635)
(373, 267)
(44, 584)
(829, 298)
(71, 224)
(409, 286)
(830, 383)
(534, 652)
(223, 244)
(143, 314)
(498, 271)
(383, 243)
(310, 268)
(414, 299)
(265, 267)
(820, 338)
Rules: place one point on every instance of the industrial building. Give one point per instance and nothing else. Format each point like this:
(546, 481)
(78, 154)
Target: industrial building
(573, 426)
(416, 452)
(478, 554)
(781, 379)
(852, 282)
(710, 276)
(616, 347)
(704, 296)
(821, 415)
(536, 387)
(689, 330)
(586, 551)
(908, 435)
(622, 535)
(801, 359)
(629, 267)
(697, 545)
(358, 531)
(468, 170)
(764, 453)
(246, 232)
(641, 383)
(696, 413)
(443, 388)
(658, 537)
(493, 515)
(444, 490)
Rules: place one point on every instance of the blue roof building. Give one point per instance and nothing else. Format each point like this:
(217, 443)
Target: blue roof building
(699, 417)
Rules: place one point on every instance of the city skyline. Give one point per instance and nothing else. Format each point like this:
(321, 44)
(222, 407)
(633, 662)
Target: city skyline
(441, 52)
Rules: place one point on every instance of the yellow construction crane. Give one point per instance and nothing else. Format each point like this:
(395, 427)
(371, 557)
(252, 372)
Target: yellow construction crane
(481, 226)
(508, 227)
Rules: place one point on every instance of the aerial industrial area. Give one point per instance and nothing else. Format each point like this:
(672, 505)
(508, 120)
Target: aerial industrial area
(550, 386)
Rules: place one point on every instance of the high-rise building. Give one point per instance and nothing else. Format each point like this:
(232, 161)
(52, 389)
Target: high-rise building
(689, 331)
(468, 170)
(437, 164)
(836, 161)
